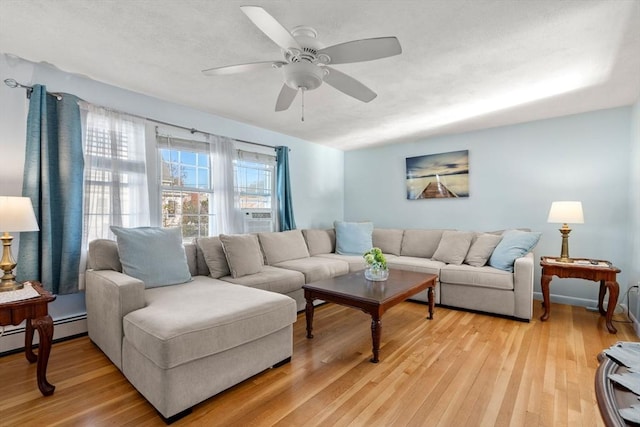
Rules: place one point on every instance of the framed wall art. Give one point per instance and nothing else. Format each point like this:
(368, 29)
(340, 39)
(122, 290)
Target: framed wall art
(443, 175)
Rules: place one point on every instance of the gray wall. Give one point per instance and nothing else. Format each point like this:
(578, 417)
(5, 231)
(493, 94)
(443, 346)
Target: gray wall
(515, 174)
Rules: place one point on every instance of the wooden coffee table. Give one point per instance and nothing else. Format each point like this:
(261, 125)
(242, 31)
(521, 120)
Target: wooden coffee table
(374, 298)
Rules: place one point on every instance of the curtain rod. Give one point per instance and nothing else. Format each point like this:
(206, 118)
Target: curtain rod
(12, 83)
(193, 130)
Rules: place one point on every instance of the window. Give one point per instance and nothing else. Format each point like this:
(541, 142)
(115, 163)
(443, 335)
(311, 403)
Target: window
(186, 186)
(254, 185)
(254, 181)
(186, 191)
(115, 186)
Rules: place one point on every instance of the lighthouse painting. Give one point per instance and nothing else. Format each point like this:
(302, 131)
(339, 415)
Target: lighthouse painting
(444, 175)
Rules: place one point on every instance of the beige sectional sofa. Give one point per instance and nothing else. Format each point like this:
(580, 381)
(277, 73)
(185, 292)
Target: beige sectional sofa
(180, 344)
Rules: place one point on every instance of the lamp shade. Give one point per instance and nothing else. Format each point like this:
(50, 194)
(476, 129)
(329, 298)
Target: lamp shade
(16, 214)
(566, 212)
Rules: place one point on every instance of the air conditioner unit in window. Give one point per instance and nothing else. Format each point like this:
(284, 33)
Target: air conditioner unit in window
(258, 220)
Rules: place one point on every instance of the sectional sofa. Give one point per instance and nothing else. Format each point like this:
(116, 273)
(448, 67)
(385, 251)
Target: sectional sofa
(186, 321)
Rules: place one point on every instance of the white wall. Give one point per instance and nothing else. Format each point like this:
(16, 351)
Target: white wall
(515, 174)
(316, 171)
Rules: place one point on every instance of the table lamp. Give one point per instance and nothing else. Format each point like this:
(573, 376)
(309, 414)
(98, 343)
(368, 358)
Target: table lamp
(564, 213)
(16, 214)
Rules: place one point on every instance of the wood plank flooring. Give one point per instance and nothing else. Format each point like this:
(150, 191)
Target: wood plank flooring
(460, 369)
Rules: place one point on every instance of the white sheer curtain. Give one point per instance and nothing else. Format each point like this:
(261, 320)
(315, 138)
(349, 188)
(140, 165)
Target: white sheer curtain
(115, 178)
(228, 216)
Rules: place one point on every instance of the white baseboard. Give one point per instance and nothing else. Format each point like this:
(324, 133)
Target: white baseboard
(13, 338)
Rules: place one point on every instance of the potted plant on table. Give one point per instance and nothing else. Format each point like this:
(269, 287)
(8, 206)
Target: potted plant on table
(376, 269)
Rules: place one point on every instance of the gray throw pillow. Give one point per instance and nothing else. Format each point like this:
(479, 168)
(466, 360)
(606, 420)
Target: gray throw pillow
(214, 257)
(320, 241)
(453, 247)
(481, 249)
(103, 255)
(154, 255)
(243, 254)
(283, 246)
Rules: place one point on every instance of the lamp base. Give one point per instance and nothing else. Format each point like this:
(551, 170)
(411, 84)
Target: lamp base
(564, 250)
(10, 285)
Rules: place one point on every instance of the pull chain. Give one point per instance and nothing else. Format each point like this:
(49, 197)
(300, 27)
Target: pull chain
(303, 90)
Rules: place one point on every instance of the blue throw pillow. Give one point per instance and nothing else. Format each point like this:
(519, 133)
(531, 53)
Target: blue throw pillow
(154, 255)
(353, 238)
(514, 244)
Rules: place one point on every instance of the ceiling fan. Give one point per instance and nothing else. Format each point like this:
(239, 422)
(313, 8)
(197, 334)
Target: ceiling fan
(306, 62)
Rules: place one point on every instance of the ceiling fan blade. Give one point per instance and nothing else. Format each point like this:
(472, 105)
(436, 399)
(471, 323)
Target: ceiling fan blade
(362, 50)
(271, 27)
(242, 68)
(349, 85)
(286, 97)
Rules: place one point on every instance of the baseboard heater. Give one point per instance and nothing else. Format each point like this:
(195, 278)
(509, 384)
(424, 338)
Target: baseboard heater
(12, 340)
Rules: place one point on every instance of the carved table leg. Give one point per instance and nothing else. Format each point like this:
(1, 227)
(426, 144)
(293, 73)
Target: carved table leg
(430, 299)
(601, 293)
(614, 290)
(376, 333)
(308, 313)
(544, 284)
(28, 342)
(44, 325)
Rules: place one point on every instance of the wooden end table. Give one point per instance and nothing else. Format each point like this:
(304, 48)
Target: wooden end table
(374, 298)
(588, 269)
(35, 312)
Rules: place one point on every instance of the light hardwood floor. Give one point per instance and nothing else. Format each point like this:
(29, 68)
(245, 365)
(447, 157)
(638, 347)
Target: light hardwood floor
(460, 369)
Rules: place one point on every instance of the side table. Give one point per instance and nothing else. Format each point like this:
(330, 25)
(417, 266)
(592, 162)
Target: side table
(35, 312)
(582, 268)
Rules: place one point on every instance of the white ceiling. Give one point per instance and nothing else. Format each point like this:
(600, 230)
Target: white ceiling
(466, 64)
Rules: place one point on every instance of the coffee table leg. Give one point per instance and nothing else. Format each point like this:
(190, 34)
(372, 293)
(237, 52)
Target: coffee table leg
(430, 299)
(376, 333)
(308, 312)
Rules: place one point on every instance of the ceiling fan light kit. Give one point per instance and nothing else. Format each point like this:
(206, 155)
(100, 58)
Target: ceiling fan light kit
(305, 66)
(303, 75)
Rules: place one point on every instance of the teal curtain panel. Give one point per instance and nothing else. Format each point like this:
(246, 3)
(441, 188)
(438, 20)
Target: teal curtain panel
(283, 190)
(53, 175)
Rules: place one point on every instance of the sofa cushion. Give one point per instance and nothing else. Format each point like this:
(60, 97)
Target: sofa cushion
(356, 262)
(320, 241)
(154, 255)
(514, 244)
(453, 247)
(243, 253)
(213, 255)
(482, 247)
(316, 268)
(353, 238)
(283, 246)
(187, 322)
(486, 277)
(389, 240)
(420, 243)
(272, 279)
(418, 264)
(191, 252)
(103, 255)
